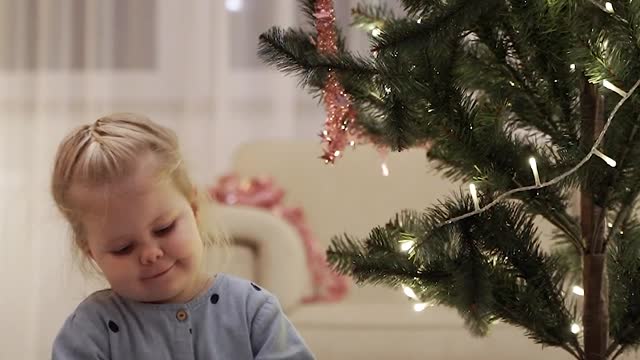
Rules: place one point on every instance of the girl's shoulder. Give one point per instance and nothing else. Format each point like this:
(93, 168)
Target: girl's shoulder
(241, 291)
(98, 302)
(81, 332)
(238, 286)
(243, 298)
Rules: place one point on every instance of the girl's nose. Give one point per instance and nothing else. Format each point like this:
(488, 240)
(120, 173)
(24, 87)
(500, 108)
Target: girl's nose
(150, 255)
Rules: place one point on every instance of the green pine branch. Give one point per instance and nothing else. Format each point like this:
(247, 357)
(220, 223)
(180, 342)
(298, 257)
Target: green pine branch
(369, 16)
(308, 9)
(445, 22)
(294, 52)
(624, 282)
(465, 266)
(423, 7)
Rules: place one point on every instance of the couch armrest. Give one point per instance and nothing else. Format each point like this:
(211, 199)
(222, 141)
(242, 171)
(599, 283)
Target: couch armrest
(281, 264)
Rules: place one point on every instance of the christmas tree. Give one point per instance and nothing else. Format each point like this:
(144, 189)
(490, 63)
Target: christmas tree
(530, 103)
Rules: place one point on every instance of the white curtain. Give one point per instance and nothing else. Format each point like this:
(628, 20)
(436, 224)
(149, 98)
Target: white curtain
(188, 64)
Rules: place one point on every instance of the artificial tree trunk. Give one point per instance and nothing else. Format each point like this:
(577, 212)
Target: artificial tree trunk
(595, 308)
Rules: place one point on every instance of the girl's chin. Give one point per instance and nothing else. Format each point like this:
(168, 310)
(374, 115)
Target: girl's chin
(177, 288)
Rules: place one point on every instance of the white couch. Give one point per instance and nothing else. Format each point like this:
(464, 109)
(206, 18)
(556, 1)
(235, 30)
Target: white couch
(352, 196)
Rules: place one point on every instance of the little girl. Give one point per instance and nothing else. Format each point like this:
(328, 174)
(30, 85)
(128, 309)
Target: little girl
(121, 184)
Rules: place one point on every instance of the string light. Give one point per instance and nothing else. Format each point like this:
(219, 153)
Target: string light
(578, 290)
(385, 169)
(575, 328)
(609, 7)
(604, 157)
(376, 32)
(420, 306)
(558, 178)
(614, 88)
(409, 292)
(572, 67)
(534, 168)
(474, 195)
(406, 245)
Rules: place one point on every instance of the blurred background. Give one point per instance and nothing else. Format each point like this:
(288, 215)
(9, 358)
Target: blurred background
(188, 64)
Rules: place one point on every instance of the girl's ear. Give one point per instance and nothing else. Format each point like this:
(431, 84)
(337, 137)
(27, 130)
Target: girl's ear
(88, 252)
(194, 201)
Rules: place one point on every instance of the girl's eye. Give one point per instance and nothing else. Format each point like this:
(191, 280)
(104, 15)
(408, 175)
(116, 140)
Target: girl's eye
(165, 230)
(123, 251)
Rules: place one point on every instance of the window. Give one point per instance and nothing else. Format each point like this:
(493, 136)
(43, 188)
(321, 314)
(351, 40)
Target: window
(77, 35)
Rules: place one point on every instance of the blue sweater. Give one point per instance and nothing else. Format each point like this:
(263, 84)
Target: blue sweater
(234, 320)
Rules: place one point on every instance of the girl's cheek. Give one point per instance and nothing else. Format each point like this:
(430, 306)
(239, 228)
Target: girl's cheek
(178, 244)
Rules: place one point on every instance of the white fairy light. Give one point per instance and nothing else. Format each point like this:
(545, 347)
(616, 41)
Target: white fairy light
(534, 168)
(420, 306)
(609, 7)
(614, 88)
(474, 195)
(575, 328)
(578, 290)
(409, 292)
(604, 157)
(407, 245)
(336, 153)
(385, 169)
(376, 32)
(572, 67)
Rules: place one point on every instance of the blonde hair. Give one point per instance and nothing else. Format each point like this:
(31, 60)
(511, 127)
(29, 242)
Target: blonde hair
(108, 150)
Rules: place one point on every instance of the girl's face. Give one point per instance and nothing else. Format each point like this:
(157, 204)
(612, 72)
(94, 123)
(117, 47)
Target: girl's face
(142, 233)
